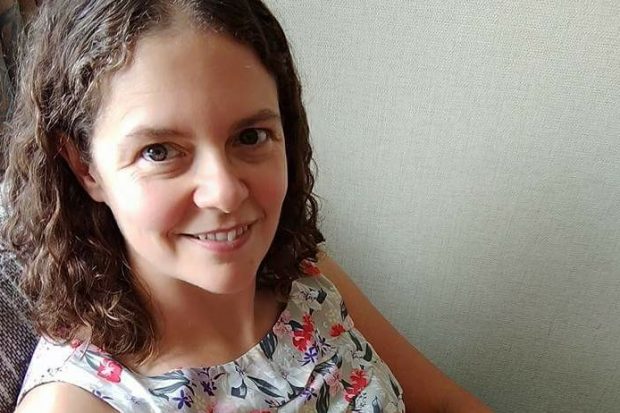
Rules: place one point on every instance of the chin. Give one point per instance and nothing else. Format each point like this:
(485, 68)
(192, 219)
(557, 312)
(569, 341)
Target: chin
(229, 280)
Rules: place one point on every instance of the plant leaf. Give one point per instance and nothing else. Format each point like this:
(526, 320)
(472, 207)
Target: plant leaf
(240, 391)
(322, 402)
(265, 387)
(269, 344)
(357, 343)
(368, 354)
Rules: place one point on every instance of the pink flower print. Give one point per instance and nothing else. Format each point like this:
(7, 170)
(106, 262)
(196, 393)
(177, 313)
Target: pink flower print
(335, 389)
(303, 338)
(282, 329)
(359, 382)
(337, 330)
(110, 370)
(333, 377)
(308, 323)
(358, 377)
(75, 343)
(285, 317)
(309, 268)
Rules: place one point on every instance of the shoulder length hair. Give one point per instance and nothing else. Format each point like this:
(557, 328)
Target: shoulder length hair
(76, 272)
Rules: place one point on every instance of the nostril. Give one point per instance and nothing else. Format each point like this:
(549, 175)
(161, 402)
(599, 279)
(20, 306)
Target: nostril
(227, 195)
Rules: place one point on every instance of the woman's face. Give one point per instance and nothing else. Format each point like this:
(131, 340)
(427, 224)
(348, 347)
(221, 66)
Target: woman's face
(188, 153)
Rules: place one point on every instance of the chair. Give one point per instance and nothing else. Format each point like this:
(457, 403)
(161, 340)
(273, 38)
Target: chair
(17, 337)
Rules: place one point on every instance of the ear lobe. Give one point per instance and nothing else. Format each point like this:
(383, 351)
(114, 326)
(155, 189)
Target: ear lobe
(85, 173)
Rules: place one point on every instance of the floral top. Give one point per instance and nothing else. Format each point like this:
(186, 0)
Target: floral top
(313, 360)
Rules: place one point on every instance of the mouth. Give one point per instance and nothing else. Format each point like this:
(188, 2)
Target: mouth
(221, 236)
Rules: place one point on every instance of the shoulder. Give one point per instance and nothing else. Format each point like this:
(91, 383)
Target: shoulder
(61, 397)
(319, 291)
(368, 319)
(61, 375)
(425, 387)
(315, 277)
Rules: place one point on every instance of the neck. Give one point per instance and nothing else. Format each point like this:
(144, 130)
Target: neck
(198, 328)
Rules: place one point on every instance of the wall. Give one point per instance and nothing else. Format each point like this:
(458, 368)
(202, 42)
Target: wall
(469, 165)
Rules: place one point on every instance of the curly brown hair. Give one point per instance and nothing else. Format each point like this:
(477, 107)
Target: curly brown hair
(76, 270)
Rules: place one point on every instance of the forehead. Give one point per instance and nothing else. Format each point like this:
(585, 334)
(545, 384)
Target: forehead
(187, 77)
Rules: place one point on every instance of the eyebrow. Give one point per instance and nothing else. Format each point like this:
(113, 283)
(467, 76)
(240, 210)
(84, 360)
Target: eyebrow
(260, 116)
(145, 132)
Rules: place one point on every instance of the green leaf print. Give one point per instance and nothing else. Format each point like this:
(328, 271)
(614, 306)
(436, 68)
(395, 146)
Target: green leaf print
(322, 402)
(295, 325)
(90, 360)
(343, 311)
(338, 360)
(324, 367)
(240, 391)
(368, 354)
(357, 343)
(265, 387)
(163, 392)
(395, 388)
(269, 344)
(322, 296)
(171, 375)
(296, 391)
(376, 406)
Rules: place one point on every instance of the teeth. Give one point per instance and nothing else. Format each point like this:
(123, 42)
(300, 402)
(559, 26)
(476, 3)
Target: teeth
(223, 236)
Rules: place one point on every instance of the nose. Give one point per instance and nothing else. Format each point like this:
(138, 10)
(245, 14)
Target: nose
(219, 185)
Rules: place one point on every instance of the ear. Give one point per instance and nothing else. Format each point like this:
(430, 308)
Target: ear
(85, 173)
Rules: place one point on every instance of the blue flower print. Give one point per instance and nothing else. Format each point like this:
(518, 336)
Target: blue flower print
(310, 355)
(208, 385)
(308, 393)
(322, 345)
(183, 400)
(315, 361)
(100, 395)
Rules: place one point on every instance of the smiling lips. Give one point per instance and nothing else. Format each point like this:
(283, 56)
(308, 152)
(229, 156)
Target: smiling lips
(222, 236)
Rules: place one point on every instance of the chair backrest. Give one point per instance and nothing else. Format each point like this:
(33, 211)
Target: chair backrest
(17, 337)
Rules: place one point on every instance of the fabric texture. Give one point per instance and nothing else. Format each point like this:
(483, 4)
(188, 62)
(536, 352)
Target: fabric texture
(12, 14)
(17, 337)
(312, 360)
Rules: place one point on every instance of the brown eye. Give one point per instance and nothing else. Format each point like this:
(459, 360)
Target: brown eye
(253, 136)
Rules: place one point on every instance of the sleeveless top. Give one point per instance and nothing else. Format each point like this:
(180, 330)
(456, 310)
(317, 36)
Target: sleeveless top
(313, 360)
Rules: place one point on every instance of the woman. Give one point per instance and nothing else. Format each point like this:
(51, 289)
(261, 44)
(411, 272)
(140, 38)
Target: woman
(160, 197)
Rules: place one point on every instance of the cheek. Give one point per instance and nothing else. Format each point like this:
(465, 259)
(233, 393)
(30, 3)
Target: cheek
(146, 206)
(271, 189)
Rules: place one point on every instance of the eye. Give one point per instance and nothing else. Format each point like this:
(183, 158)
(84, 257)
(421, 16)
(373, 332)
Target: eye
(253, 137)
(159, 152)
